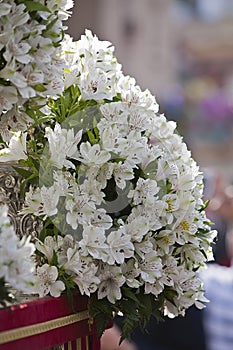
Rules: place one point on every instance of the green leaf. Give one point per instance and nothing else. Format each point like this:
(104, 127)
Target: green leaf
(145, 305)
(54, 260)
(91, 137)
(35, 163)
(169, 187)
(34, 6)
(169, 294)
(70, 296)
(130, 322)
(101, 324)
(129, 294)
(47, 229)
(50, 25)
(102, 311)
(39, 87)
(22, 187)
(23, 172)
(205, 205)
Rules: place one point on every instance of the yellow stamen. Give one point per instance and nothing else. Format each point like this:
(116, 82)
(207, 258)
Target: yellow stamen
(185, 225)
(169, 208)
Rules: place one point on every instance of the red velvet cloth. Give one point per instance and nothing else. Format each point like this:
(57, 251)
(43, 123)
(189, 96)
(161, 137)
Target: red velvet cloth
(43, 310)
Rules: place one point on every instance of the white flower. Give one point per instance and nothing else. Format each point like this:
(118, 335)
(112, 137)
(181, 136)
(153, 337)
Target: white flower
(83, 270)
(49, 199)
(170, 272)
(88, 283)
(91, 155)
(133, 96)
(93, 243)
(42, 201)
(4, 9)
(165, 241)
(62, 145)
(122, 172)
(143, 247)
(120, 246)
(18, 50)
(101, 219)
(73, 262)
(79, 211)
(17, 148)
(8, 97)
(131, 271)
(145, 189)
(185, 230)
(137, 227)
(91, 65)
(104, 174)
(47, 281)
(49, 246)
(93, 188)
(112, 279)
(151, 267)
(16, 264)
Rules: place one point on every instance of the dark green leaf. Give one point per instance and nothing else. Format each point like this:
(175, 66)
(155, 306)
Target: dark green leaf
(23, 172)
(34, 6)
(54, 260)
(91, 137)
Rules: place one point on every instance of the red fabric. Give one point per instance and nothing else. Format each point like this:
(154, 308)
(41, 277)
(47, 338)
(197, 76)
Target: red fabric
(42, 310)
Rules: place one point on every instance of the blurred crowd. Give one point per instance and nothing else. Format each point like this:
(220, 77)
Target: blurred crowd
(209, 328)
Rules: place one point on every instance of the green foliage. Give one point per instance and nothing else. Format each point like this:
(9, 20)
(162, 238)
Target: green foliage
(49, 229)
(66, 105)
(137, 309)
(204, 206)
(33, 5)
(102, 311)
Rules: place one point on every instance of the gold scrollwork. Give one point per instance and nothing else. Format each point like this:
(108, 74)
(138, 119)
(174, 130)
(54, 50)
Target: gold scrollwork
(10, 181)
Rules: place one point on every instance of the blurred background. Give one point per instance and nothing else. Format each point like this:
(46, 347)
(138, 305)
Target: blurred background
(182, 51)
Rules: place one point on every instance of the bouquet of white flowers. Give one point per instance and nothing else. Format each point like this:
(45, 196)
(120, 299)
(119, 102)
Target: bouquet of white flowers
(119, 194)
(30, 67)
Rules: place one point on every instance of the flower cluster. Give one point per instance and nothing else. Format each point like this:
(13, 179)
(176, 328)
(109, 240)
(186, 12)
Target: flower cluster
(16, 265)
(92, 66)
(30, 66)
(117, 192)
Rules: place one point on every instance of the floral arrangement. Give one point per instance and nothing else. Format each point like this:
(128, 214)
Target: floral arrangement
(16, 263)
(30, 67)
(117, 191)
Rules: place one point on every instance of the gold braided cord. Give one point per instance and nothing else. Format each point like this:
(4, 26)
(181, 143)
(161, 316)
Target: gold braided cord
(28, 331)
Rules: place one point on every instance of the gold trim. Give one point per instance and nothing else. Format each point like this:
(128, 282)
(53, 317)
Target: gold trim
(78, 344)
(87, 343)
(28, 331)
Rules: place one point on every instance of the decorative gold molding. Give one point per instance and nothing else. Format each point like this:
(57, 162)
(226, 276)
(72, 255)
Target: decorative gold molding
(28, 331)
(10, 181)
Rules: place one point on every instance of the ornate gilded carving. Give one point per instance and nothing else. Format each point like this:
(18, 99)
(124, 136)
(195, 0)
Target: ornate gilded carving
(24, 224)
